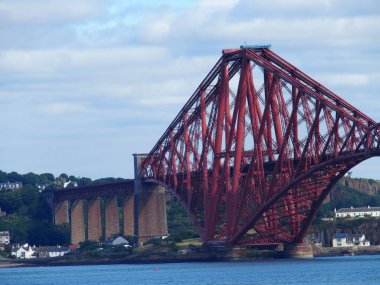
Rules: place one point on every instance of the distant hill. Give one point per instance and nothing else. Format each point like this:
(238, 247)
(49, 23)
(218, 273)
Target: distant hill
(29, 218)
(355, 192)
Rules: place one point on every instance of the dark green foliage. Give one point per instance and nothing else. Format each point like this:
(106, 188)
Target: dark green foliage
(82, 181)
(17, 227)
(29, 218)
(3, 177)
(14, 177)
(72, 178)
(46, 233)
(350, 198)
(88, 245)
(106, 180)
(30, 179)
(179, 225)
(47, 178)
(10, 201)
(64, 176)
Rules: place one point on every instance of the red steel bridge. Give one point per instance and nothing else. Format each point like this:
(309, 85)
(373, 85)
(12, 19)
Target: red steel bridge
(257, 148)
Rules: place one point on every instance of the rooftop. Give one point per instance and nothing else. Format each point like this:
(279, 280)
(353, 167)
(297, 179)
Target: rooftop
(4, 233)
(340, 235)
(362, 209)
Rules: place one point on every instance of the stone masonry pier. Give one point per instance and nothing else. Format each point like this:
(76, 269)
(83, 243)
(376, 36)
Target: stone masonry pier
(97, 212)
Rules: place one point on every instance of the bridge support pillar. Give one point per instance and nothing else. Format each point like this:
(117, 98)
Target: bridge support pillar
(298, 250)
(111, 217)
(77, 222)
(128, 216)
(94, 224)
(150, 207)
(152, 212)
(61, 213)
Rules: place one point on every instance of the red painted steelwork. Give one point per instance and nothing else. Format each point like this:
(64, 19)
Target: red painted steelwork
(257, 148)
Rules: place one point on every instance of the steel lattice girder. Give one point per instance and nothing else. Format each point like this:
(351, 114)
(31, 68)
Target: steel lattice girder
(257, 148)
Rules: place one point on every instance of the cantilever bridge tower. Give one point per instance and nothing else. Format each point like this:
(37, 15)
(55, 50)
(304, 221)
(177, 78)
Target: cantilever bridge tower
(257, 148)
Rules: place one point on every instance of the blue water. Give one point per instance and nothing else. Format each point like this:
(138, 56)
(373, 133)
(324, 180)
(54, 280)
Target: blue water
(334, 270)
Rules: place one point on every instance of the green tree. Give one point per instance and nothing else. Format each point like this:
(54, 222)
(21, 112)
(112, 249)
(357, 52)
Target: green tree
(64, 176)
(179, 225)
(47, 178)
(10, 201)
(72, 178)
(30, 179)
(3, 177)
(88, 245)
(82, 181)
(14, 177)
(17, 227)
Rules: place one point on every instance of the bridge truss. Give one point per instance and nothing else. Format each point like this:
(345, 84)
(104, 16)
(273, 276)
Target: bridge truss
(257, 148)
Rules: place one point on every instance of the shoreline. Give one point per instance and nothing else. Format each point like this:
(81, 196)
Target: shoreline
(214, 256)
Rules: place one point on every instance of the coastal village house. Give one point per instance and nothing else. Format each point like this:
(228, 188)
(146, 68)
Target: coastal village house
(51, 251)
(4, 239)
(358, 212)
(117, 240)
(10, 185)
(344, 239)
(27, 251)
(24, 251)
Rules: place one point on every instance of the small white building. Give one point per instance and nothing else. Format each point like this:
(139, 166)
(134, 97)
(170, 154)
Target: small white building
(5, 237)
(24, 251)
(358, 212)
(344, 239)
(51, 251)
(10, 185)
(117, 240)
(73, 183)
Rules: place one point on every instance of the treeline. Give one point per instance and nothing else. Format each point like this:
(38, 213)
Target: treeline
(180, 226)
(28, 217)
(33, 179)
(344, 196)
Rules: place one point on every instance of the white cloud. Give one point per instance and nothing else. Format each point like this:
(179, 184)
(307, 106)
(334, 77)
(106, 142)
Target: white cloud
(63, 108)
(48, 10)
(93, 81)
(58, 60)
(348, 80)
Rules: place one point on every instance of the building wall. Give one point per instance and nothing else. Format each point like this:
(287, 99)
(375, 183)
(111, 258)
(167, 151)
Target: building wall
(358, 214)
(4, 237)
(339, 242)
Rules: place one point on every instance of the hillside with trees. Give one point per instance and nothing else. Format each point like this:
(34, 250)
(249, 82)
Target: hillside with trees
(29, 218)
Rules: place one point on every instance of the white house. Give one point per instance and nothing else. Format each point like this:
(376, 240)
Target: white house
(74, 184)
(10, 185)
(117, 240)
(51, 251)
(344, 239)
(24, 251)
(358, 212)
(5, 237)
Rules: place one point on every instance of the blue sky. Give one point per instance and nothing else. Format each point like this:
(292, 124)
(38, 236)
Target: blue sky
(84, 84)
